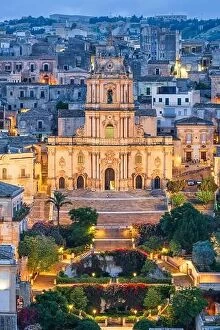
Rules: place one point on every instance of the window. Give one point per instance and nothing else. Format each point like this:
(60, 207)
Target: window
(23, 172)
(78, 61)
(203, 155)
(179, 113)
(82, 81)
(179, 101)
(203, 138)
(66, 67)
(154, 100)
(32, 67)
(9, 107)
(21, 93)
(35, 105)
(42, 94)
(109, 96)
(138, 159)
(167, 101)
(39, 124)
(187, 100)
(109, 131)
(32, 94)
(160, 99)
(4, 173)
(188, 138)
(8, 67)
(80, 158)
(21, 105)
(11, 93)
(185, 112)
(72, 81)
(46, 67)
(79, 95)
(157, 71)
(148, 91)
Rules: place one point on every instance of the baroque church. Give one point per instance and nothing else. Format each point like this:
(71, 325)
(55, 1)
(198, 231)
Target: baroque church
(116, 148)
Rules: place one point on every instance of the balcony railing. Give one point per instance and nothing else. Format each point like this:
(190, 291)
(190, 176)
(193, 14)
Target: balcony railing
(57, 140)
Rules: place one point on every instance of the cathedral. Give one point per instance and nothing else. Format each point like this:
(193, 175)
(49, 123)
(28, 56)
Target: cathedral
(116, 148)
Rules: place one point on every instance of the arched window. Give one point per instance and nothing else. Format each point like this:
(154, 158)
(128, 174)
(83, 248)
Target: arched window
(4, 173)
(138, 159)
(110, 96)
(46, 67)
(80, 158)
(109, 131)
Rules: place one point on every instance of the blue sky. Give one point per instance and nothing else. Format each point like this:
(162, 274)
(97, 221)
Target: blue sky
(193, 8)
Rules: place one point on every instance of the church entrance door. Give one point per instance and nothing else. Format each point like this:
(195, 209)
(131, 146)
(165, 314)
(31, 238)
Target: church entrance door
(109, 179)
(157, 182)
(138, 182)
(80, 182)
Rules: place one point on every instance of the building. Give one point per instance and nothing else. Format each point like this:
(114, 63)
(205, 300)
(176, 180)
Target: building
(160, 43)
(13, 221)
(195, 143)
(8, 272)
(110, 151)
(17, 164)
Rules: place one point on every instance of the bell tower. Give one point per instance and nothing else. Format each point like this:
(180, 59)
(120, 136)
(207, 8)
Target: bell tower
(110, 105)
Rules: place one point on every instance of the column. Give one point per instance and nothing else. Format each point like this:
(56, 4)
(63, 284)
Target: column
(126, 127)
(93, 126)
(94, 165)
(91, 165)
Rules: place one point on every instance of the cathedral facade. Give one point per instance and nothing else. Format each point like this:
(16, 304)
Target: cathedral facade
(111, 151)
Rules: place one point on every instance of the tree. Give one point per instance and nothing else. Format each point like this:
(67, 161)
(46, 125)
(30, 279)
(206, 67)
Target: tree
(78, 298)
(149, 267)
(153, 244)
(175, 186)
(203, 255)
(52, 308)
(186, 225)
(87, 324)
(178, 199)
(85, 216)
(208, 184)
(42, 252)
(144, 324)
(153, 298)
(175, 248)
(205, 197)
(187, 303)
(59, 200)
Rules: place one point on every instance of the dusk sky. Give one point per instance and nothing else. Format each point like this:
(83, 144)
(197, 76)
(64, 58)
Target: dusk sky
(193, 8)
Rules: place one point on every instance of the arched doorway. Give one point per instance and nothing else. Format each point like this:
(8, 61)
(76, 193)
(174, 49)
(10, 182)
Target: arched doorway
(157, 182)
(138, 182)
(61, 183)
(109, 179)
(80, 182)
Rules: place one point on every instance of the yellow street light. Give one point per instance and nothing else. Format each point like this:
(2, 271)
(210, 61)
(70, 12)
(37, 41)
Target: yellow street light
(70, 307)
(93, 274)
(94, 311)
(134, 274)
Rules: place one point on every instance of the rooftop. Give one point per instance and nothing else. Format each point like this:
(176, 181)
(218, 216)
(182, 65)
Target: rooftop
(9, 190)
(194, 121)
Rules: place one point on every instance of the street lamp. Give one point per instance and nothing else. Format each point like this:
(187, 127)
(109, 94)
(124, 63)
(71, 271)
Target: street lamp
(93, 274)
(134, 274)
(94, 312)
(70, 308)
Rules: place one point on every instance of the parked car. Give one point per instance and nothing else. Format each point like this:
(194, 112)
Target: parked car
(190, 182)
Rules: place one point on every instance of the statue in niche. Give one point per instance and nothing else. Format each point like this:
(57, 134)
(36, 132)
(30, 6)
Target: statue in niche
(110, 96)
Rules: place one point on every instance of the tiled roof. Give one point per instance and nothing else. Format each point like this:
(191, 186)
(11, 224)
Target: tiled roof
(9, 190)
(194, 121)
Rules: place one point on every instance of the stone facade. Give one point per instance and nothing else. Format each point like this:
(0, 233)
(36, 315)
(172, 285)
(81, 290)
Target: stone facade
(195, 143)
(110, 151)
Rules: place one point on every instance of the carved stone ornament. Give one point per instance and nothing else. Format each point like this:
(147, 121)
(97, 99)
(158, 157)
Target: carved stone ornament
(110, 159)
(139, 169)
(80, 132)
(62, 162)
(139, 130)
(157, 162)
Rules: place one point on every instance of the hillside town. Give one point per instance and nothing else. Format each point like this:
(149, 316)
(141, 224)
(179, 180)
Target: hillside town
(109, 173)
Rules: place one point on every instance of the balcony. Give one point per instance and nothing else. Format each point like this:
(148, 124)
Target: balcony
(57, 140)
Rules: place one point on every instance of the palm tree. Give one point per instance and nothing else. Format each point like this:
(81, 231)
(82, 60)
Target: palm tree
(58, 200)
